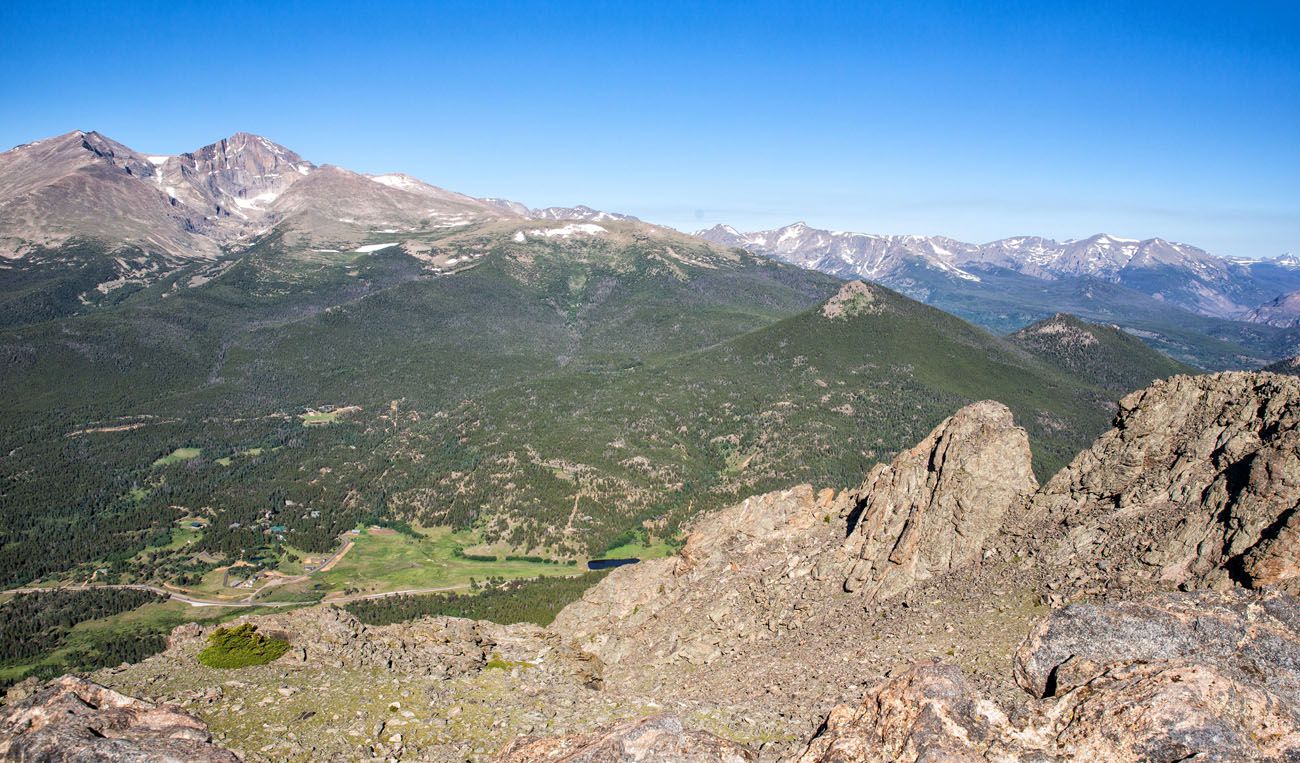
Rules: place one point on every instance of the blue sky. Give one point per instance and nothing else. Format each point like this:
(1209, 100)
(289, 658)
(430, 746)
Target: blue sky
(976, 120)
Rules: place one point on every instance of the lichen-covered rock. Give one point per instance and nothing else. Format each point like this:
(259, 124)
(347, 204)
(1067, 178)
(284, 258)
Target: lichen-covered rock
(1167, 711)
(931, 509)
(1252, 636)
(929, 713)
(71, 719)
(1197, 479)
(1129, 710)
(658, 739)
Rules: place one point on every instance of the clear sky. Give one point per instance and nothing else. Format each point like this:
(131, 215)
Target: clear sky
(976, 120)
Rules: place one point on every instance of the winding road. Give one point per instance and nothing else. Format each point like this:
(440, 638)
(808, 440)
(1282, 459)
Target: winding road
(245, 602)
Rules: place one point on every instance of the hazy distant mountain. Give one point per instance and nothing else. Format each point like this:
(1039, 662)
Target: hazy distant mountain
(1186, 302)
(1283, 311)
(1177, 273)
(581, 213)
(847, 255)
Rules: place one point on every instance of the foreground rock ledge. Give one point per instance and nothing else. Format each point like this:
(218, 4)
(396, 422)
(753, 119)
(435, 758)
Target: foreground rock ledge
(1200, 676)
(657, 739)
(71, 719)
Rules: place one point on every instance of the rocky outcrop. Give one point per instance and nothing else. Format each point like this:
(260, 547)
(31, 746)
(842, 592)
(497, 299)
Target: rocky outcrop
(71, 719)
(763, 563)
(1131, 682)
(1193, 486)
(931, 509)
(742, 569)
(1247, 635)
(657, 739)
(1165, 711)
(1275, 560)
(853, 298)
(928, 713)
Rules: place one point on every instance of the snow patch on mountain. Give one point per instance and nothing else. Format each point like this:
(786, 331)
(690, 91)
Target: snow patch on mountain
(573, 229)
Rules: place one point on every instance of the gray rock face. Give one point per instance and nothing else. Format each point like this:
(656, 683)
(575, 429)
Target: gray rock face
(1162, 680)
(929, 713)
(1190, 487)
(1251, 636)
(932, 508)
(657, 739)
(70, 719)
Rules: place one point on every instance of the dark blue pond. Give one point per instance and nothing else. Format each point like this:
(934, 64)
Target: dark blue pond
(609, 564)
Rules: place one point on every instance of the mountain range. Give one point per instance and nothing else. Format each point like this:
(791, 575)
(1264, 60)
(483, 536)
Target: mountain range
(324, 405)
(1158, 289)
(550, 379)
(86, 220)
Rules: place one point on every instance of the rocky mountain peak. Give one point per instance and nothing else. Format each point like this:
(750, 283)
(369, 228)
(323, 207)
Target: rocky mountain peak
(1191, 487)
(854, 298)
(931, 509)
(240, 176)
(1061, 328)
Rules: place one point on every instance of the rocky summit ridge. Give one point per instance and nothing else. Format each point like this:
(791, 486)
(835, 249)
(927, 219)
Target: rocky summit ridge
(1136, 606)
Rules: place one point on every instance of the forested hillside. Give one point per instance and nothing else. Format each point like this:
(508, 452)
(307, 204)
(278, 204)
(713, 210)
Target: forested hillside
(551, 392)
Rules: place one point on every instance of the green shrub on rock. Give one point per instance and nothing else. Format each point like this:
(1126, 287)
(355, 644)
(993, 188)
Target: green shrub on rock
(240, 647)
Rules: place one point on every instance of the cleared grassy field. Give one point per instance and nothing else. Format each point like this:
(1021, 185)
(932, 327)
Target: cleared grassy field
(180, 454)
(228, 460)
(637, 550)
(395, 561)
(318, 418)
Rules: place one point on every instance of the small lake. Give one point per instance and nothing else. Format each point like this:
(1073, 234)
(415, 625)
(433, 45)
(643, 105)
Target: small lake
(609, 564)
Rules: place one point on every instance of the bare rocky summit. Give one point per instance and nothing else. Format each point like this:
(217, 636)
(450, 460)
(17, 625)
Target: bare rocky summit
(853, 298)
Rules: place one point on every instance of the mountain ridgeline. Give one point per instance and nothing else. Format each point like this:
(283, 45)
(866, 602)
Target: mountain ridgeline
(1212, 312)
